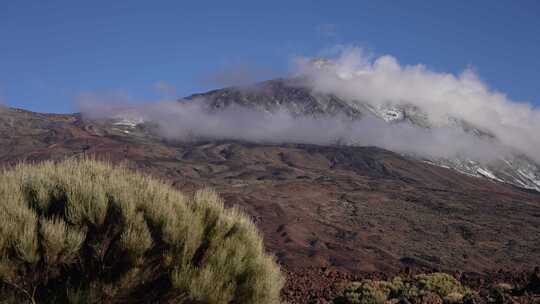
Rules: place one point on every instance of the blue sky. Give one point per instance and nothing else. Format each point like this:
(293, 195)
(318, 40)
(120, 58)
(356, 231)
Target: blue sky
(52, 51)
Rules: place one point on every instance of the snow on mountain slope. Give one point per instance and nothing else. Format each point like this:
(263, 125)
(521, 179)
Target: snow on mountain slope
(516, 169)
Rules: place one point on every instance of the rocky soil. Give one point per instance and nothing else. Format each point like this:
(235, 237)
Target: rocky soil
(329, 214)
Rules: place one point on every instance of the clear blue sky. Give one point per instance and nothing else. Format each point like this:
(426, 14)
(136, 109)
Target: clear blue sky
(51, 51)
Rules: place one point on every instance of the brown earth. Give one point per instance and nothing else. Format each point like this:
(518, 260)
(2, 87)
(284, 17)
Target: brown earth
(349, 210)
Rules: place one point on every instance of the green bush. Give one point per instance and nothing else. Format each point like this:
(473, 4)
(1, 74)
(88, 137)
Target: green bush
(453, 298)
(418, 289)
(440, 283)
(367, 292)
(82, 231)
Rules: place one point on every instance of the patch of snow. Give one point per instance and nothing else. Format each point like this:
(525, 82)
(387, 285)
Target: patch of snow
(392, 114)
(488, 174)
(437, 164)
(469, 173)
(532, 178)
(126, 123)
(128, 119)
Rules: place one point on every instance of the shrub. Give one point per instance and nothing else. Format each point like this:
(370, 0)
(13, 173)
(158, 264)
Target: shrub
(404, 289)
(440, 283)
(82, 231)
(428, 288)
(453, 298)
(504, 286)
(367, 292)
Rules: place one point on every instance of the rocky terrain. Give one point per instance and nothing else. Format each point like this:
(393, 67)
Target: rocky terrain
(340, 211)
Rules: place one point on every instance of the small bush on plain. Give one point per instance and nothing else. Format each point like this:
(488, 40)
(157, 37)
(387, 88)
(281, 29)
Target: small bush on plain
(438, 285)
(368, 292)
(82, 231)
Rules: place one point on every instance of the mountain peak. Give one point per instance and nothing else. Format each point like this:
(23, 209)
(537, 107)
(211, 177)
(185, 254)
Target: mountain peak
(294, 96)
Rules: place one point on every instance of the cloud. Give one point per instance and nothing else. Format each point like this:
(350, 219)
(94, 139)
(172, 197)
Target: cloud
(190, 120)
(2, 96)
(359, 79)
(3, 102)
(383, 81)
(165, 89)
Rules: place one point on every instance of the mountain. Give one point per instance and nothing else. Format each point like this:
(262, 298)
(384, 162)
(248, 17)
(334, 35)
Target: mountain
(355, 208)
(272, 95)
(326, 212)
(295, 97)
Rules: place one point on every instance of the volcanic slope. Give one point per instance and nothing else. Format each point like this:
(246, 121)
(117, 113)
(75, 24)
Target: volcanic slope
(354, 208)
(295, 96)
